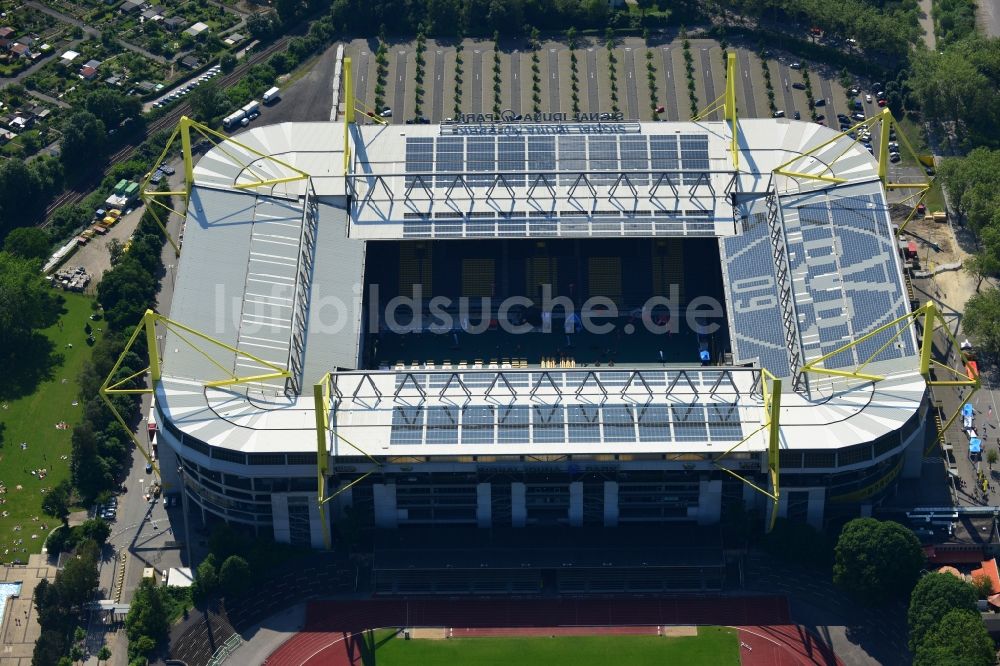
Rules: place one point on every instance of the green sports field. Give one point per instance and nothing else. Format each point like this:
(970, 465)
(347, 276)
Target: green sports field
(50, 389)
(713, 646)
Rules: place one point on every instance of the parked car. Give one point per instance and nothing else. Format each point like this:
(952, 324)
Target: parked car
(386, 113)
(797, 115)
(820, 102)
(868, 99)
(778, 114)
(149, 468)
(858, 116)
(799, 86)
(894, 157)
(796, 65)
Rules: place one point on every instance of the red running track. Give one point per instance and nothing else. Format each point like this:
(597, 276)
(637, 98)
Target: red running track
(328, 637)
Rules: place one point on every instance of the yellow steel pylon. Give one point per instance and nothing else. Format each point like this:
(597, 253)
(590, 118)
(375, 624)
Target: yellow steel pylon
(151, 197)
(323, 402)
(186, 334)
(931, 320)
(727, 103)
(885, 122)
(770, 421)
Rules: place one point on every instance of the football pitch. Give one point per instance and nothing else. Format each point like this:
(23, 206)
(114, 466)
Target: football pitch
(713, 646)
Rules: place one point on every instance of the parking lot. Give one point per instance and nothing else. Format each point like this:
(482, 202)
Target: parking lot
(183, 90)
(594, 79)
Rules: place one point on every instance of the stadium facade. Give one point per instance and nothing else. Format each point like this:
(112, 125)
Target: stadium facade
(427, 429)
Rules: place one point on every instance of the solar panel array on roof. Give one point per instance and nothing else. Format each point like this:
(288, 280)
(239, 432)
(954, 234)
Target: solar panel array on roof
(565, 424)
(752, 300)
(567, 154)
(561, 407)
(841, 254)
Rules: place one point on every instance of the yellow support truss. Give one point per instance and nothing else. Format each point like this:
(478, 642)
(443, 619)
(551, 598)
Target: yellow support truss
(150, 320)
(771, 422)
(885, 122)
(932, 321)
(726, 102)
(152, 198)
(325, 427)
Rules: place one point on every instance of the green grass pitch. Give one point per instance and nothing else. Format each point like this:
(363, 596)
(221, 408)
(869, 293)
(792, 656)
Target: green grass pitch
(32, 419)
(714, 646)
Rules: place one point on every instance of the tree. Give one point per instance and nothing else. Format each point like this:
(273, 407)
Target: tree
(957, 88)
(103, 654)
(973, 184)
(126, 292)
(876, 561)
(83, 142)
(28, 243)
(262, 25)
(646, 5)
(77, 581)
(26, 301)
(234, 576)
(23, 190)
(70, 217)
(208, 102)
(934, 596)
(227, 62)
(49, 648)
(982, 320)
(95, 529)
(147, 618)
(992, 457)
(960, 637)
(206, 580)
(56, 501)
(112, 108)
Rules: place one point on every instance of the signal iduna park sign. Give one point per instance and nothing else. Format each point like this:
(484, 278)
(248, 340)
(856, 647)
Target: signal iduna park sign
(508, 122)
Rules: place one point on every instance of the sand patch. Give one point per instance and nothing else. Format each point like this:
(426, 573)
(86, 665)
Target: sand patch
(429, 633)
(678, 631)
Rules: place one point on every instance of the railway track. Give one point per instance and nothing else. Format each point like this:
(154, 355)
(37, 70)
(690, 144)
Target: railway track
(169, 119)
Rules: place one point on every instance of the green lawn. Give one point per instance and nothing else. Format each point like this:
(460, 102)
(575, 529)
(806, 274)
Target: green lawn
(32, 419)
(714, 646)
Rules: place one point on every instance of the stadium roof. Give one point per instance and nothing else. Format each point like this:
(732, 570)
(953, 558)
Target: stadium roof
(808, 266)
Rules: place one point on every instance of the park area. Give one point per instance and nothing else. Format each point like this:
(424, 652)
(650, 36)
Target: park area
(715, 646)
(36, 428)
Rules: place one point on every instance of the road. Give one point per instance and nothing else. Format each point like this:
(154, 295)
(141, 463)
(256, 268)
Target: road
(631, 94)
(46, 98)
(437, 109)
(399, 89)
(475, 83)
(592, 91)
(309, 98)
(706, 72)
(670, 94)
(926, 20)
(92, 32)
(554, 103)
(360, 67)
(988, 13)
(515, 81)
(41, 62)
(784, 85)
(743, 66)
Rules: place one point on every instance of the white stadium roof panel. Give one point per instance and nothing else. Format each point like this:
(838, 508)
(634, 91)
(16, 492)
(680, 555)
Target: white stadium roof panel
(808, 266)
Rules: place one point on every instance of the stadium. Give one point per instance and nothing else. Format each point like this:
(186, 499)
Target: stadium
(526, 339)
